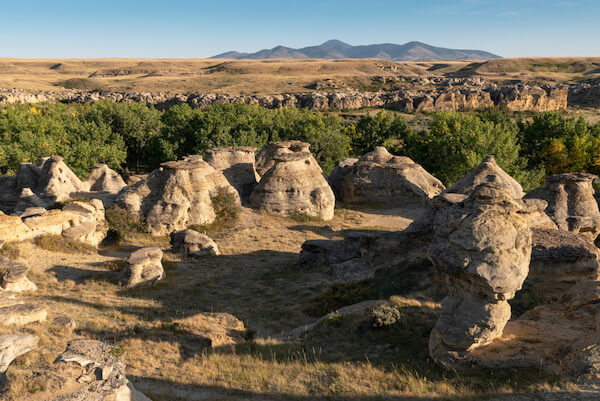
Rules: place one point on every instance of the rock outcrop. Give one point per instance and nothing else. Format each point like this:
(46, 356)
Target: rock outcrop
(14, 276)
(11, 347)
(391, 181)
(294, 184)
(103, 179)
(57, 182)
(237, 165)
(339, 175)
(482, 246)
(191, 242)
(144, 267)
(91, 227)
(18, 313)
(176, 195)
(265, 158)
(90, 371)
(571, 202)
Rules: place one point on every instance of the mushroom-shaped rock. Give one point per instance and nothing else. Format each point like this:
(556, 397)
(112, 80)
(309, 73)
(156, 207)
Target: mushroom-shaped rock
(191, 242)
(294, 184)
(175, 196)
(144, 267)
(101, 377)
(265, 158)
(57, 182)
(482, 246)
(13, 346)
(103, 179)
(487, 172)
(571, 202)
(237, 165)
(392, 181)
(14, 276)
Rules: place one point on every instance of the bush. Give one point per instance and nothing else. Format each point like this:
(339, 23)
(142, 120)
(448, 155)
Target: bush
(381, 130)
(121, 223)
(225, 204)
(385, 316)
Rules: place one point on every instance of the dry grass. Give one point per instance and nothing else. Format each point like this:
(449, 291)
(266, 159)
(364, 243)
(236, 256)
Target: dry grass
(248, 77)
(257, 280)
(58, 243)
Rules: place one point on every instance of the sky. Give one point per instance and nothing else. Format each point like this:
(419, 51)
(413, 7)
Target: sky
(187, 29)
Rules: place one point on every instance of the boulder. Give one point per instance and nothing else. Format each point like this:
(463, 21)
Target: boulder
(571, 202)
(12, 228)
(98, 374)
(14, 345)
(294, 184)
(487, 172)
(340, 174)
(175, 196)
(14, 276)
(191, 242)
(144, 267)
(237, 165)
(104, 179)
(482, 247)
(381, 178)
(20, 314)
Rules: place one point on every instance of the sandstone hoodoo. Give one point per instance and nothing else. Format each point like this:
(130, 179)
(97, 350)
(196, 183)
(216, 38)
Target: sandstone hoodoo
(144, 267)
(571, 202)
(381, 178)
(294, 184)
(339, 174)
(104, 179)
(176, 195)
(482, 246)
(191, 242)
(237, 165)
(265, 158)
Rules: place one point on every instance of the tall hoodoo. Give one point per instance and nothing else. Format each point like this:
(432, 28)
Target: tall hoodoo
(482, 246)
(294, 184)
(237, 165)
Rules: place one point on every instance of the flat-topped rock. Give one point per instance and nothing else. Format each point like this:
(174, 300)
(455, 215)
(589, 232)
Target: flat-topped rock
(14, 276)
(294, 184)
(12, 228)
(176, 196)
(191, 242)
(382, 179)
(20, 314)
(144, 267)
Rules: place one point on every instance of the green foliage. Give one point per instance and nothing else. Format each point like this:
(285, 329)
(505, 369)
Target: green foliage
(457, 142)
(118, 352)
(186, 131)
(122, 224)
(225, 204)
(28, 133)
(560, 143)
(381, 130)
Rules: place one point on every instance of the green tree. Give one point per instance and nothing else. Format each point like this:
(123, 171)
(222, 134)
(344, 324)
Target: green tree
(381, 130)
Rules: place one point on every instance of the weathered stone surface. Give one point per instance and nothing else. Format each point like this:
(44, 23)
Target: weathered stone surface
(237, 165)
(265, 158)
(487, 172)
(218, 328)
(393, 181)
(91, 227)
(191, 242)
(64, 321)
(175, 196)
(144, 268)
(482, 246)
(101, 376)
(57, 182)
(20, 314)
(14, 276)
(339, 175)
(294, 184)
(14, 345)
(571, 202)
(52, 222)
(12, 228)
(104, 179)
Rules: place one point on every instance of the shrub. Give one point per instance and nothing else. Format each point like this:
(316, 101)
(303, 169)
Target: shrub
(10, 250)
(381, 130)
(58, 243)
(116, 265)
(121, 223)
(225, 204)
(303, 217)
(385, 316)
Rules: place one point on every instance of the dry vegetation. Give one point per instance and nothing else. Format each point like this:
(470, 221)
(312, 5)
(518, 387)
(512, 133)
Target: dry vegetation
(267, 76)
(161, 331)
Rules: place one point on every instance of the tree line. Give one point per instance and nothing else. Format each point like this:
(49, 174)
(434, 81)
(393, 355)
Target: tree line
(131, 137)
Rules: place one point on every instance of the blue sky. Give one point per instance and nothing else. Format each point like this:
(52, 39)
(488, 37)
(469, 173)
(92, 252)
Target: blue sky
(179, 28)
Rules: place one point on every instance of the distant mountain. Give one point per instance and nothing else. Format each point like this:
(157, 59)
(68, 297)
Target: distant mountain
(335, 49)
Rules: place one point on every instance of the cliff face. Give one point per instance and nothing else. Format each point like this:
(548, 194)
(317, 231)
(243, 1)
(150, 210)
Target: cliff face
(466, 97)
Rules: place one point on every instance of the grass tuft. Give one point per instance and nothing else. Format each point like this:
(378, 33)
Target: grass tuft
(58, 243)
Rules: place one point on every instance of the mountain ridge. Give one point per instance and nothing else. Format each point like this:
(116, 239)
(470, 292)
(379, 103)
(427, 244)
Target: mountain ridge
(336, 49)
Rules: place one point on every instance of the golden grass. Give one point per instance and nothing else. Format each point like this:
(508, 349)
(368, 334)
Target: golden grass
(58, 243)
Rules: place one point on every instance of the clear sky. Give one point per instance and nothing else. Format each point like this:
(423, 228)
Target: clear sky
(186, 28)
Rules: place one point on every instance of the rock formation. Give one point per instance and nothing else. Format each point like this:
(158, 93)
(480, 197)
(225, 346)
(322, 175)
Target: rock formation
(18, 313)
(191, 242)
(265, 158)
(571, 202)
(392, 181)
(92, 227)
(12, 346)
(99, 376)
(175, 196)
(57, 182)
(14, 276)
(339, 175)
(237, 165)
(294, 184)
(104, 179)
(482, 246)
(144, 267)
